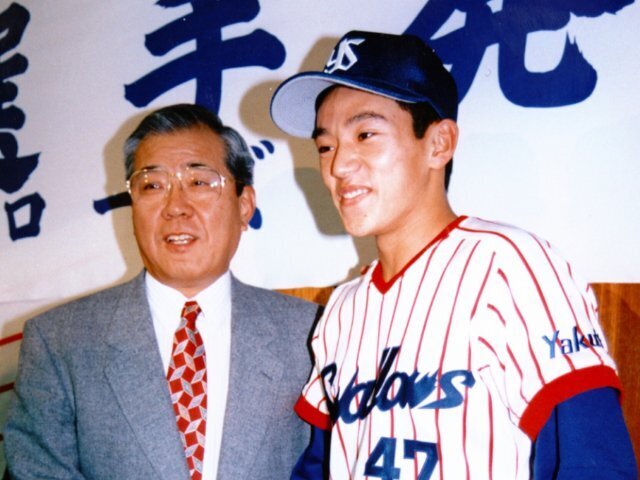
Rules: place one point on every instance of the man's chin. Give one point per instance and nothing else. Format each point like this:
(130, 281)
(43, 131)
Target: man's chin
(358, 230)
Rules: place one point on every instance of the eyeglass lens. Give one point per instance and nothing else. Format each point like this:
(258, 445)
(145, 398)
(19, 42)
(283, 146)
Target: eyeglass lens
(195, 182)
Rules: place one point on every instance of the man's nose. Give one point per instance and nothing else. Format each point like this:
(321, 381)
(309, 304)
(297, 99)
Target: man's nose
(344, 162)
(176, 202)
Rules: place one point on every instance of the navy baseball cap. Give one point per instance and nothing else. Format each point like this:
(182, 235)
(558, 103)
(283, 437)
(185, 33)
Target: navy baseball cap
(400, 67)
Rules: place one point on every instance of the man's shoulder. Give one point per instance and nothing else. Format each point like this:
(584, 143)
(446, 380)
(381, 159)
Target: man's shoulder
(347, 289)
(260, 298)
(480, 226)
(502, 237)
(92, 305)
(290, 319)
(517, 249)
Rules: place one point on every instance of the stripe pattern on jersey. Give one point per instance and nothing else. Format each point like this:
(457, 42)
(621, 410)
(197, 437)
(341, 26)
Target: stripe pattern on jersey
(450, 369)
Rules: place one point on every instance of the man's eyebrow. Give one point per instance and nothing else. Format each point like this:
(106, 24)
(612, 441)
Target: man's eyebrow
(358, 117)
(195, 164)
(317, 132)
(183, 165)
(150, 167)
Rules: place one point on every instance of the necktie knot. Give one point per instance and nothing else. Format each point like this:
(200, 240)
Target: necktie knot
(190, 312)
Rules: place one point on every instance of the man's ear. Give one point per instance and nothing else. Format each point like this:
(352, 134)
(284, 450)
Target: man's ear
(247, 202)
(444, 141)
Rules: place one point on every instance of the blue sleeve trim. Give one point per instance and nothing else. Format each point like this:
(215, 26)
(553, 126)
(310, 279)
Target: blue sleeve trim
(585, 437)
(313, 464)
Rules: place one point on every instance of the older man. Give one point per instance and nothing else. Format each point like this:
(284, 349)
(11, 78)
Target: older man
(183, 372)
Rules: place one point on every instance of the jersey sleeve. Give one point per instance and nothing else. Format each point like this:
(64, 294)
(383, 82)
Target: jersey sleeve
(313, 404)
(541, 325)
(310, 406)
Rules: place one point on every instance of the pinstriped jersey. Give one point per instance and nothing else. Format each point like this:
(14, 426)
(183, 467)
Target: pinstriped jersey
(451, 368)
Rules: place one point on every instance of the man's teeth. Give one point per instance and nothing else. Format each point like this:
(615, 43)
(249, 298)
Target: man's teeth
(179, 239)
(354, 193)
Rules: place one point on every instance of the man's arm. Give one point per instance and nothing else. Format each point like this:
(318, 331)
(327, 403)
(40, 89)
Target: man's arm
(39, 436)
(313, 464)
(585, 438)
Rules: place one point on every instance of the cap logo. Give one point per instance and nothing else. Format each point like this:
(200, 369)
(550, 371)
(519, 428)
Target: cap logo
(343, 57)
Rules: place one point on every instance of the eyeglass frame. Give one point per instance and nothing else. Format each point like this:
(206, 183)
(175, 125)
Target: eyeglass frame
(178, 175)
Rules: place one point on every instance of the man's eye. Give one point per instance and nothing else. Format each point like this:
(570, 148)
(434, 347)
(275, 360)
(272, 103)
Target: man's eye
(150, 186)
(196, 182)
(323, 149)
(365, 135)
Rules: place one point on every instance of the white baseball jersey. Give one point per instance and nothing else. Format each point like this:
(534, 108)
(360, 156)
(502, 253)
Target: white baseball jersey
(451, 368)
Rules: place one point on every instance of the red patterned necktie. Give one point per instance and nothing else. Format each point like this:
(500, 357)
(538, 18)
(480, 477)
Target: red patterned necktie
(187, 377)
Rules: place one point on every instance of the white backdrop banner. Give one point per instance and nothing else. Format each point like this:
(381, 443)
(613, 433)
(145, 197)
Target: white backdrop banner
(549, 119)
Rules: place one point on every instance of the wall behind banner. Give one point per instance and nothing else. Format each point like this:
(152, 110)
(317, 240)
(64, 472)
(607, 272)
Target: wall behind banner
(548, 119)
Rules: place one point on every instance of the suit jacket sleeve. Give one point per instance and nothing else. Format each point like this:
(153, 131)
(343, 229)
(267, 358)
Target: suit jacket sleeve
(40, 439)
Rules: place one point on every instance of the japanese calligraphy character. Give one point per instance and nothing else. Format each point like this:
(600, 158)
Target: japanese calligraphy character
(211, 56)
(13, 22)
(571, 81)
(14, 170)
(36, 206)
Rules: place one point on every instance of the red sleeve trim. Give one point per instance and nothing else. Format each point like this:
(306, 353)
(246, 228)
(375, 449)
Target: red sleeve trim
(561, 389)
(312, 415)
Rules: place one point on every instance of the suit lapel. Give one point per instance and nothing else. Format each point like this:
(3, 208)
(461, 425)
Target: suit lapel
(254, 374)
(135, 373)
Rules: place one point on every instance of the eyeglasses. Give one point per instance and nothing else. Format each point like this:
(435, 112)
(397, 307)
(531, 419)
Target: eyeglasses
(198, 182)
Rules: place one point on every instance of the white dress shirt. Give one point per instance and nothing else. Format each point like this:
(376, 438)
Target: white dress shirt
(214, 325)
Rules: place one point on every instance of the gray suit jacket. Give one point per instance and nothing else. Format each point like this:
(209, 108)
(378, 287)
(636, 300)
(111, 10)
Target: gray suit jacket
(92, 400)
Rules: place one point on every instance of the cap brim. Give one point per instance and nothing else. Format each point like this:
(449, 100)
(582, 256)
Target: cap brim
(293, 103)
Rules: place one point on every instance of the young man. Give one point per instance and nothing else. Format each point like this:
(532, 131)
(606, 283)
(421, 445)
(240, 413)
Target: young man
(469, 349)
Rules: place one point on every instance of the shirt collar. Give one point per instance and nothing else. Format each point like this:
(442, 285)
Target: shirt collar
(167, 302)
